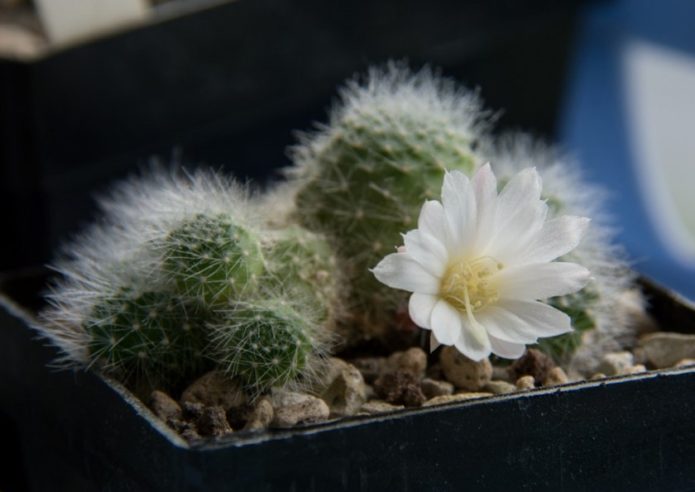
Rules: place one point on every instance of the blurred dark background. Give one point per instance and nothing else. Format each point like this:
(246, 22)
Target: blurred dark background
(226, 82)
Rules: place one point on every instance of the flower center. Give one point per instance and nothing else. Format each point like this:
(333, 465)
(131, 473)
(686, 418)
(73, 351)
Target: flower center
(467, 286)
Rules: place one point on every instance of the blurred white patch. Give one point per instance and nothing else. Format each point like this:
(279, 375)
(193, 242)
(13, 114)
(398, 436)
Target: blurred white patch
(70, 20)
(660, 92)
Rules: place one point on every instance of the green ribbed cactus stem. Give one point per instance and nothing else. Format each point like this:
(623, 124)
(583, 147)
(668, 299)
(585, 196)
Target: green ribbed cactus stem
(266, 344)
(366, 175)
(151, 338)
(303, 264)
(213, 259)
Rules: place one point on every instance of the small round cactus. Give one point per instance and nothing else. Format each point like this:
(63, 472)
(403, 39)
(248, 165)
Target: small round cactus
(266, 344)
(364, 176)
(152, 337)
(213, 259)
(303, 265)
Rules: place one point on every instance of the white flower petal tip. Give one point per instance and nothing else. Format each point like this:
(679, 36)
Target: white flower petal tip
(481, 262)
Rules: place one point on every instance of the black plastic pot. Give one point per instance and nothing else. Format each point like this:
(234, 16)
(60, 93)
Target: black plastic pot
(80, 432)
(228, 81)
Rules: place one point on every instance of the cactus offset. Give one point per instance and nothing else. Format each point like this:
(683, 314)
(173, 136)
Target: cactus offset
(364, 177)
(266, 344)
(213, 259)
(152, 337)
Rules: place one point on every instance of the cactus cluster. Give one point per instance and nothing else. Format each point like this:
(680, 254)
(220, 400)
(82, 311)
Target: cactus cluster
(183, 276)
(191, 271)
(362, 178)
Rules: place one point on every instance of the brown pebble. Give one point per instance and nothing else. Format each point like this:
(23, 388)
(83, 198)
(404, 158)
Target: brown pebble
(215, 389)
(192, 410)
(500, 387)
(533, 363)
(165, 407)
(463, 372)
(261, 416)
(413, 360)
(370, 367)
(598, 375)
(432, 388)
(378, 406)
(400, 388)
(636, 369)
(463, 396)
(213, 422)
(190, 434)
(685, 363)
(526, 382)
(555, 377)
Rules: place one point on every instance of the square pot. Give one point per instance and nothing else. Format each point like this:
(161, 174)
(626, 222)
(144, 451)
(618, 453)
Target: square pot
(78, 431)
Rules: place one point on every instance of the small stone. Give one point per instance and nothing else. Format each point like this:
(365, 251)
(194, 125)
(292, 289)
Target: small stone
(636, 369)
(192, 410)
(598, 375)
(370, 392)
(500, 373)
(346, 391)
(555, 377)
(215, 389)
(440, 400)
(292, 408)
(463, 372)
(432, 388)
(665, 349)
(400, 388)
(165, 407)
(190, 434)
(685, 363)
(413, 360)
(379, 406)
(261, 416)
(370, 367)
(434, 371)
(213, 422)
(526, 382)
(500, 387)
(533, 363)
(639, 355)
(616, 363)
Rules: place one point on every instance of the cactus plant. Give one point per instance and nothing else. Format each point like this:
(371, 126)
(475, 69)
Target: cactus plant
(178, 264)
(363, 177)
(152, 337)
(212, 259)
(267, 343)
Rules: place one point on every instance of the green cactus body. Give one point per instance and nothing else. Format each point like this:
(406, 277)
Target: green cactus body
(303, 265)
(152, 337)
(213, 259)
(366, 180)
(264, 345)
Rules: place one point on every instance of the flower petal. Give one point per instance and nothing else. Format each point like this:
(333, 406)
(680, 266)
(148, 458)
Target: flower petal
(545, 320)
(473, 341)
(458, 200)
(506, 325)
(540, 280)
(432, 220)
(427, 251)
(401, 271)
(557, 237)
(485, 188)
(519, 215)
(420, 309)
(446, 323)
(506, 350)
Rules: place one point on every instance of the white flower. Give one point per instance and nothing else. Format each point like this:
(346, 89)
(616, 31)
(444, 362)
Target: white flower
(479, 264)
